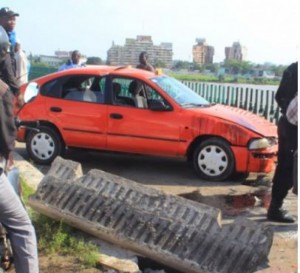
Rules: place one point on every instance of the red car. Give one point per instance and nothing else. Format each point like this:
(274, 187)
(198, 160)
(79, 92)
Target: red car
(135, 111)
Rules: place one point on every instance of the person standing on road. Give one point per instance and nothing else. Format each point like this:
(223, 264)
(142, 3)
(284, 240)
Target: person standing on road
(13, 215)
(21, 64)
(73, 62)
(8, 22)
(8, 68)
(144, 64)
(287, 145)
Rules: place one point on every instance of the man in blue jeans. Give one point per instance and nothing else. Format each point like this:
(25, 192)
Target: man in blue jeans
(13, 215)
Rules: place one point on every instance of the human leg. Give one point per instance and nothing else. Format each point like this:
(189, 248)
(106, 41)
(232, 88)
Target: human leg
(283, 177)
(19, 227)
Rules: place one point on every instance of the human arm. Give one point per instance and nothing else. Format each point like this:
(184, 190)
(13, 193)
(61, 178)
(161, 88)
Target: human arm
(149, 67)
(10, 79)
(288, 87)
(7, 125)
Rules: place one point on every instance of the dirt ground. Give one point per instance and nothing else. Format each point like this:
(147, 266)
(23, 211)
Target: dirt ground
(60, 264)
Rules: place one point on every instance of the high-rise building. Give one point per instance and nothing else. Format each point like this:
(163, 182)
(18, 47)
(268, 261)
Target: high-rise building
(236, 52)
(202, 52)
(129, 53)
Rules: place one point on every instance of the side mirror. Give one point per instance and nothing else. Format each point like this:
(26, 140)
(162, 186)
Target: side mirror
(31, 91)
(157, 105)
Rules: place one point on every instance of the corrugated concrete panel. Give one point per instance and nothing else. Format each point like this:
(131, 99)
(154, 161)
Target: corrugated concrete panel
(180, 233)
(65, 169)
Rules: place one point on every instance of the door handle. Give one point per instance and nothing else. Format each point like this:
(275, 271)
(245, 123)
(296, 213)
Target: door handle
(55, 109)
(116, 116)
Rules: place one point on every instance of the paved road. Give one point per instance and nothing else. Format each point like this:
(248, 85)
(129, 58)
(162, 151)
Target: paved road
(169, 174)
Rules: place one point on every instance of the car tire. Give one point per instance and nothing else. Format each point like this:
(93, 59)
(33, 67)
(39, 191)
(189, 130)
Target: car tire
(44, 146)
(213, 160)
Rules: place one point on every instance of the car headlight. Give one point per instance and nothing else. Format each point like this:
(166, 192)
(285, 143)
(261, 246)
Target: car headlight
(261, 143)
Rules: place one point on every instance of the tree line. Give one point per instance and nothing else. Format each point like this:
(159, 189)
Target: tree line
(233, 67)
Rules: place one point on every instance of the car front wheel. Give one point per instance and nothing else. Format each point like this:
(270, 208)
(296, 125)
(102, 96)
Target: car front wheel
(43, 146)
(213, 160)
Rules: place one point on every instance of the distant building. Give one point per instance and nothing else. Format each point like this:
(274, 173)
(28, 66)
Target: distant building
(129, 53)
(50, 60)
(202, 52)
(65, 55)
(58, 58)
(62, 54)
(236, 52)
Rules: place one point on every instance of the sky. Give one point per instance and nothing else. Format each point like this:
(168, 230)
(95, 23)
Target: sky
(269, 29)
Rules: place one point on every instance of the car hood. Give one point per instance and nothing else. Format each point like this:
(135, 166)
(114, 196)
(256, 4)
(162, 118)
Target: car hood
(242, 117)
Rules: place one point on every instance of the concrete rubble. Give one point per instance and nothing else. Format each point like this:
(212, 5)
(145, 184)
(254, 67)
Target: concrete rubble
(180, 233)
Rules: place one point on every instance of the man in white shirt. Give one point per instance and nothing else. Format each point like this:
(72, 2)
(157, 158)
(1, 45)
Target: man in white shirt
(21, 64)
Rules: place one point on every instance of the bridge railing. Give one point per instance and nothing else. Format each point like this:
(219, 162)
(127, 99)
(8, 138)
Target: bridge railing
(257, 99)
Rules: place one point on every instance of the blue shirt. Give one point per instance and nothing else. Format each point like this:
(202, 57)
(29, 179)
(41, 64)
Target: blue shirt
(69, 65)
(12, 38)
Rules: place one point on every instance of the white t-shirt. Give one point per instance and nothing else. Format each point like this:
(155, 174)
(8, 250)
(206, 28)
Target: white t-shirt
(22, 67)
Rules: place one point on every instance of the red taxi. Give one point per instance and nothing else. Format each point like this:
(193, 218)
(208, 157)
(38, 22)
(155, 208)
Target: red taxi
(135, 111)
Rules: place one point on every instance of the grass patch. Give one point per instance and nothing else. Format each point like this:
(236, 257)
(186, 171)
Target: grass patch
(57, 237)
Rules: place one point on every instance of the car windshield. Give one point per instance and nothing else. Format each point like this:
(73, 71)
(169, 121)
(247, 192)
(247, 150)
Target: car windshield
(182, 94)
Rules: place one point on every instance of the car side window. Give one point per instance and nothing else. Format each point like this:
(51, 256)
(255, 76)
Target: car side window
(153, 97)
(83, 88)
(134, 93)
(52, 89)
(120, 92)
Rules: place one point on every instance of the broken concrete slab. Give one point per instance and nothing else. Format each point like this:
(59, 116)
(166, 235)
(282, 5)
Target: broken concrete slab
(172, 230)
(65, 169)
(118, 264)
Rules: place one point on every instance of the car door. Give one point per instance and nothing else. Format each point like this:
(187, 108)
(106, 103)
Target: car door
(137, 129)
(75, 105)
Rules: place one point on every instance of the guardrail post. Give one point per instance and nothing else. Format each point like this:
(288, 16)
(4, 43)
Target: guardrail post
(255, 109)
(272, 107)
(228, 96)
(261, 109)
(246, 102)
(267, 105)
(236, 97)
(233, 96)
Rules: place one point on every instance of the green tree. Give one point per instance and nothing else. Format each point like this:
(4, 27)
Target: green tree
(237, 67)
(278, 70)
(94, 60)
(181, 65)
(212, 67)
(159, 63)
(196, 66)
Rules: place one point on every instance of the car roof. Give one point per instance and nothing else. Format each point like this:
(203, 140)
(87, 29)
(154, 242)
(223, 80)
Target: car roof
(100, 70)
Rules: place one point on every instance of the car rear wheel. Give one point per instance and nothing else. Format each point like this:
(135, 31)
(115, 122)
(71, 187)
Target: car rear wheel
(213, 160)
(44, 146)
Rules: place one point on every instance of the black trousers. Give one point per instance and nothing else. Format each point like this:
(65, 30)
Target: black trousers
(287, 145)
